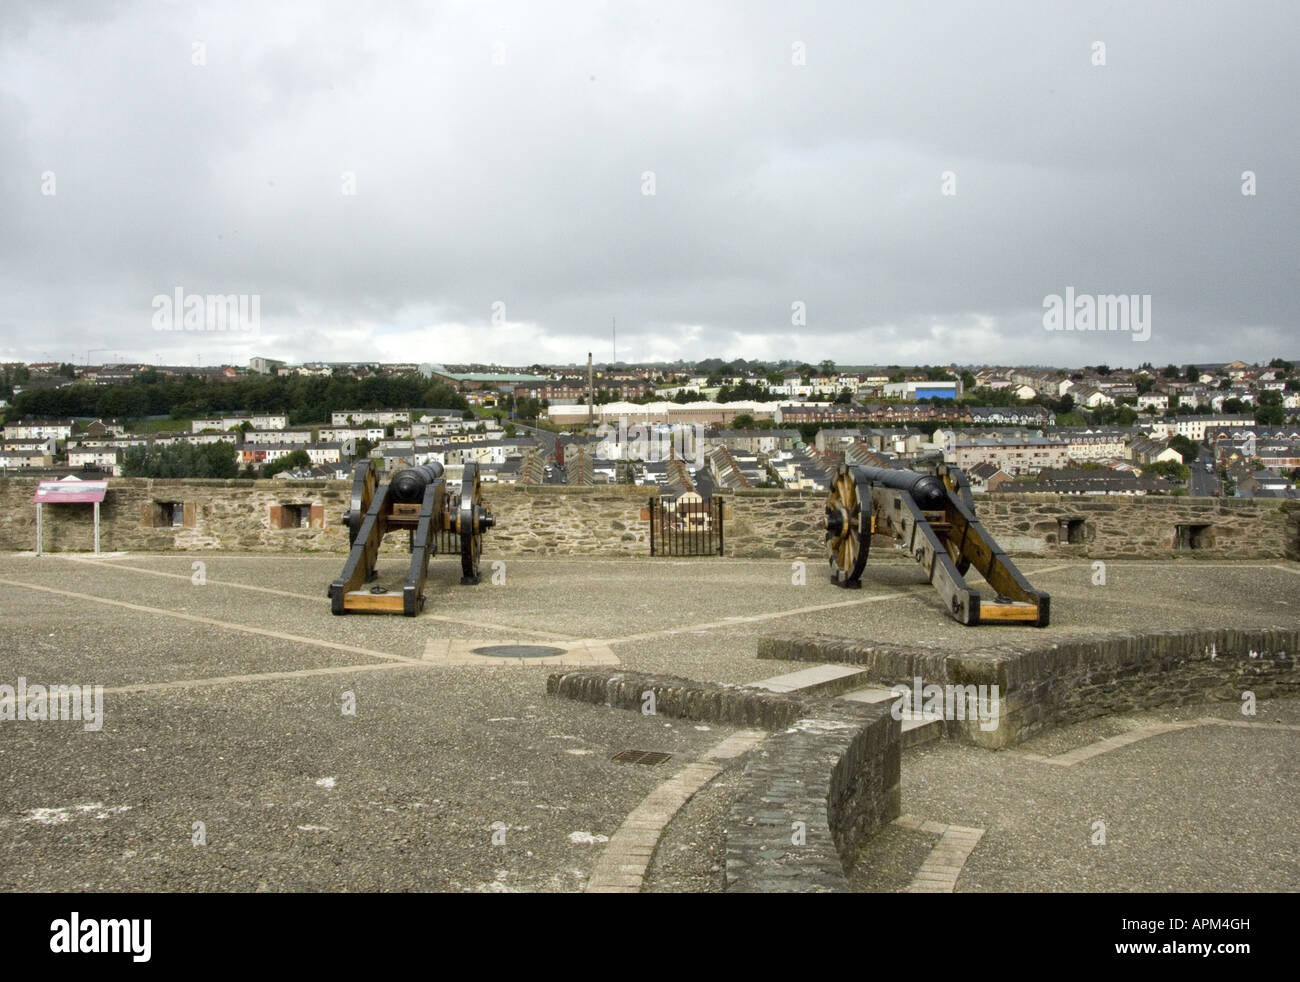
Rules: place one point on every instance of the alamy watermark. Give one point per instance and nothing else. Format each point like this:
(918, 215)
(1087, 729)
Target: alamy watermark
(652, 442)
(948, 702)
(102, 935)
(1103, 312)
(39, 703)
(179, 311)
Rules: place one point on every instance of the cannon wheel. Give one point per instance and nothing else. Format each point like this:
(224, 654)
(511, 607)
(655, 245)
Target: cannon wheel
(467, 524)
(954, 479)
(848, 527)
(364, 483)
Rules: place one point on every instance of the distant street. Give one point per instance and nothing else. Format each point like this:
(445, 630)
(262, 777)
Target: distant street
(1203, 483)
(549, 441)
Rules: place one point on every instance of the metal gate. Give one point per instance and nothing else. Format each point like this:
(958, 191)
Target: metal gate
(686, 527)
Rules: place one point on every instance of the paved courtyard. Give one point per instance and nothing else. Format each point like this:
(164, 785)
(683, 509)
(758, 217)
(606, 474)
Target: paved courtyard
(303, 751)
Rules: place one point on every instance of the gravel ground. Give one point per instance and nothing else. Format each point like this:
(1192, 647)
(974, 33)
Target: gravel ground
(1209, 808)
(692, 851)
(403, 795)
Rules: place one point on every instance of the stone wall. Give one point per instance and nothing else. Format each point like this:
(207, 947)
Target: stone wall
(1043, 684)
(231, 515)
(832, 767)
(783, 524)
(612, 520)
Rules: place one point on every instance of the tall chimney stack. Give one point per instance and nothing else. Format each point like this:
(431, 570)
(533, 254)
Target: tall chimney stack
(591, 392)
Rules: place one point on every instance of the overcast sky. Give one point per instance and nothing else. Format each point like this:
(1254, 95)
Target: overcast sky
(500, 154)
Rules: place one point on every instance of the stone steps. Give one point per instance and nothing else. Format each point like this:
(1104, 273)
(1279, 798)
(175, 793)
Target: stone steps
(916, 729)
(823, 680)
(846, 682)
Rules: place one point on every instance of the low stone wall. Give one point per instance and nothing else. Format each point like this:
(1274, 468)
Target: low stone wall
(809, 796)
(782, 524)
(613, 520)
(1047, 684)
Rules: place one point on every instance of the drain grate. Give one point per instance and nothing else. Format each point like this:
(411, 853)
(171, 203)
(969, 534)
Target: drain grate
(648, 757)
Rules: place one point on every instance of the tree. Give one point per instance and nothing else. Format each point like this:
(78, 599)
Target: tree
(67, 371)
(1170, 371)
(1269, 411)
(826, 367)
(181, 460)
(1189, 449)
(1170, 469)
(1193, 374)
(744, 421)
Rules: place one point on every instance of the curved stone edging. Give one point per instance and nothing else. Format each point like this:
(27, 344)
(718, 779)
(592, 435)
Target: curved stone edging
(831, 767)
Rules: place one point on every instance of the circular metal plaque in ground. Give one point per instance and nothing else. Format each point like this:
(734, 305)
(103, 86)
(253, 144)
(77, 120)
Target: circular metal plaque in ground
(517, 651)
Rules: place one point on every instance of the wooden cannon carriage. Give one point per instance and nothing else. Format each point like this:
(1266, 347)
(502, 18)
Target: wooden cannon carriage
(932, 516)
(418, 501)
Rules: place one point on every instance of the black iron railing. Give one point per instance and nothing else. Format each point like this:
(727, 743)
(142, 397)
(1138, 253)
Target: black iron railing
(686, 528)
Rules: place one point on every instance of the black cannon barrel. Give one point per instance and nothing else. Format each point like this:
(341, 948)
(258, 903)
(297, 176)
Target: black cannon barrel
(926, 490)
(408, 485)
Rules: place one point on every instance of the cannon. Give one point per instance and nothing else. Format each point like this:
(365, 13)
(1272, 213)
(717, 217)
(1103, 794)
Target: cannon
(932, 517)
(417, 500)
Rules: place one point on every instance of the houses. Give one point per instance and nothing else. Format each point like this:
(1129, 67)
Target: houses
(1265, 483)
(1195, 427)
(42, 444)
(987, 477)
(358, 417)
(1089, 481)
(263, 421)
(752, 441)
(1037, 416)
(302, 437)
(1093, 443)
(703, 412)
(22, 459)
(735, 471)
(372, 433)
(1014, 455)
(98, 458)
(256, 454)
(38, 429)
(1144, 452)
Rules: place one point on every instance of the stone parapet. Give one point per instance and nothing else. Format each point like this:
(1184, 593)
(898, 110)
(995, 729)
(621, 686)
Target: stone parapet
(613, 520)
